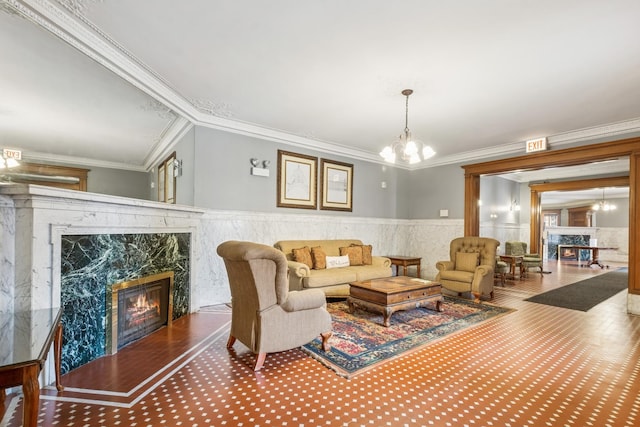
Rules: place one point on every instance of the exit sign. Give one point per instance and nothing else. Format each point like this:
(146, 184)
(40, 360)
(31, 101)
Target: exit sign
(12, 154)
(539, 144)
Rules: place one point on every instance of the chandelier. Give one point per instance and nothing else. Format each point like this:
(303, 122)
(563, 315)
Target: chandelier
(407, 149)
(603, 205)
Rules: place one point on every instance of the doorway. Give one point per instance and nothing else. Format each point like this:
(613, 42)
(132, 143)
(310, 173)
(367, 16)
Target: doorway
(558, 158)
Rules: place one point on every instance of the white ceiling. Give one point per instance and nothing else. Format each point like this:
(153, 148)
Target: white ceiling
(114, 83)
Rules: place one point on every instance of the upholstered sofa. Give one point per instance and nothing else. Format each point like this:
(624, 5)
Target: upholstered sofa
(333, 281)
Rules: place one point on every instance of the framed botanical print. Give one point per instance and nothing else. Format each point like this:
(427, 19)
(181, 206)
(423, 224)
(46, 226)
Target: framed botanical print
(297, 180)
(337, 186)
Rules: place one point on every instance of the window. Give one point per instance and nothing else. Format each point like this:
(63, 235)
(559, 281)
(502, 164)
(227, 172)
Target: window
(167, 180)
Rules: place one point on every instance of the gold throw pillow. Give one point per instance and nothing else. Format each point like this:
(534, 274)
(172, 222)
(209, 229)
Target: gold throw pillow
(303, 255)
(354, 253)
(319, 258)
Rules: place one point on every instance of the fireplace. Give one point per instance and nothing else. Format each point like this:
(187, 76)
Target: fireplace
(139, 307)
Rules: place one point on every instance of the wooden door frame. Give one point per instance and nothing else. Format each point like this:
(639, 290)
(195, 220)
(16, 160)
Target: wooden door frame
(557, 158)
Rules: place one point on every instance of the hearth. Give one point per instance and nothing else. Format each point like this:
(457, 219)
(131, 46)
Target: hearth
(139, 307)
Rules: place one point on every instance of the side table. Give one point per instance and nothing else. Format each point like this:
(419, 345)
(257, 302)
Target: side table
(404, 262)
(31, 334)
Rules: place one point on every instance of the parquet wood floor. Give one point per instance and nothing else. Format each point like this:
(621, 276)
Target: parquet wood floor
(538, 366)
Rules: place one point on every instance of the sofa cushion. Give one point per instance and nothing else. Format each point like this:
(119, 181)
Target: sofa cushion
(330, 247)
(303, 255)
(467, 261)
(366, 254)
(337, 261)
(328, 277)
(456, 276)
(368, 272)
(319, 258)
(354, 253)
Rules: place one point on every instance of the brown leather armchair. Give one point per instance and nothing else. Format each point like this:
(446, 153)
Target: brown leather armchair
(471, 266)
(265, 316)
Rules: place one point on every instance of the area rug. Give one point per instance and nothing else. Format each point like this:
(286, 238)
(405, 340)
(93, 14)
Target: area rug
(360, 342)
(585, 294)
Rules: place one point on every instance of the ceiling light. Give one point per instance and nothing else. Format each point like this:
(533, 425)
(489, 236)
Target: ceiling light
(603, 205)
(406, 148)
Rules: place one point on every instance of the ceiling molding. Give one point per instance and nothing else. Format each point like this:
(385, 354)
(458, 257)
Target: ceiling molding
(64, 19)
(170, 137)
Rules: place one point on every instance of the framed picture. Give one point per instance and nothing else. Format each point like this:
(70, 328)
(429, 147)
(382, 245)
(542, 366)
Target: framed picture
(297, 180)
(337, 185)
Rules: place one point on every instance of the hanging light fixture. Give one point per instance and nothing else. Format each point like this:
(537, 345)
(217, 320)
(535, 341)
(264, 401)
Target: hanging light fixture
(407, 149)
(603, 205)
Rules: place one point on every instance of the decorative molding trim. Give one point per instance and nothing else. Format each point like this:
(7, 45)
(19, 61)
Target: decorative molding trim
(218, 109)
(65, 20)
(163, 111)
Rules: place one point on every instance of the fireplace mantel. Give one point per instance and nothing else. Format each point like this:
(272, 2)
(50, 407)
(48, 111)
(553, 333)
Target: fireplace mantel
(35, 217)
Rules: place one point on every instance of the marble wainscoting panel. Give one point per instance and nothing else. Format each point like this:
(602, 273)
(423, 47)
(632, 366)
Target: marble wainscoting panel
(430, 240)
(613, 237)
(502, 232)
(267, 228)
(7, 255)
(92, 264)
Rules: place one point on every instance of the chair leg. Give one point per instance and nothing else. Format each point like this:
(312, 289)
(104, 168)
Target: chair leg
(325, 340)
(476, 297)
(259, 361)
(231, 341)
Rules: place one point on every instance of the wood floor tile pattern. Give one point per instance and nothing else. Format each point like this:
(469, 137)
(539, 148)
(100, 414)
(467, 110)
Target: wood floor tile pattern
(538, 366)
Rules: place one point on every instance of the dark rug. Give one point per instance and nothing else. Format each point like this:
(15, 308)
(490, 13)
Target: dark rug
(360, 341)
(586, 294)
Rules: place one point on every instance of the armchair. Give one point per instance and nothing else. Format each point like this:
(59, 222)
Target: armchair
(265, 316)
(528, 260)
(471, 266)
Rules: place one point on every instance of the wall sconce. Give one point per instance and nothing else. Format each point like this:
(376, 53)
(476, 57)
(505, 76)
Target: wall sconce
(177, 168)
(493, 215)
(259, 171)
(515, 206)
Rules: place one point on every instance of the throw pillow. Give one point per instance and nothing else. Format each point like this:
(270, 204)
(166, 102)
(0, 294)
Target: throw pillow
(319, 258)
(467, 261)
(354, 253)
(366, 253)
(337, 261)
(303, 255)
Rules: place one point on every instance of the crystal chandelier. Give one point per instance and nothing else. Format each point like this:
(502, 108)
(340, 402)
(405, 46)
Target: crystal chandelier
(603, 205)
(407, 149)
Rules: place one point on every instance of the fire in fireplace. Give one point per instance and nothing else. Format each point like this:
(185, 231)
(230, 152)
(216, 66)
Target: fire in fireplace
(140, 307)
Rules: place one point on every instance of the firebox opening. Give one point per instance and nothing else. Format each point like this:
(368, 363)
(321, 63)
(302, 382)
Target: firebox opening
(140, 307)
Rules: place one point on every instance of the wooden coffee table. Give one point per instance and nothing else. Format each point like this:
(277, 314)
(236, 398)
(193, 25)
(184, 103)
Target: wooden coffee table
(392, 294)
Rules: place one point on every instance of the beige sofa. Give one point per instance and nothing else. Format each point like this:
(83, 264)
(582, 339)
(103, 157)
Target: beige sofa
(334, 281)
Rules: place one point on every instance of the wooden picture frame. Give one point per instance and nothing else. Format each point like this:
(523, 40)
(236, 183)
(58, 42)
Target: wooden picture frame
(337, 186)
(297, 180)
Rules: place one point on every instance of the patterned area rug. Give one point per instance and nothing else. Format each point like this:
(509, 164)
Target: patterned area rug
(360, 342)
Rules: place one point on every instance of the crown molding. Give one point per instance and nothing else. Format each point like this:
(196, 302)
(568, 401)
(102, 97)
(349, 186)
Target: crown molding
(64, 19)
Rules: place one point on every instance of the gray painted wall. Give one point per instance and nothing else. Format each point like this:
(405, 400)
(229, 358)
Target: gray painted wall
(498, 196)
(117, 182)
(222, 178)
(427, 191)
(616, 218)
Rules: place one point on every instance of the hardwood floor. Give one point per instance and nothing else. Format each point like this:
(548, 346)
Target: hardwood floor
(538, 366)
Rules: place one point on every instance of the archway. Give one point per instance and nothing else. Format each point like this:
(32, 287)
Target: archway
(558, 158)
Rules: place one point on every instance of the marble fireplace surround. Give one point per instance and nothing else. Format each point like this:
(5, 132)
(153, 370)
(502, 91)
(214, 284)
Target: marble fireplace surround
(33, 220)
